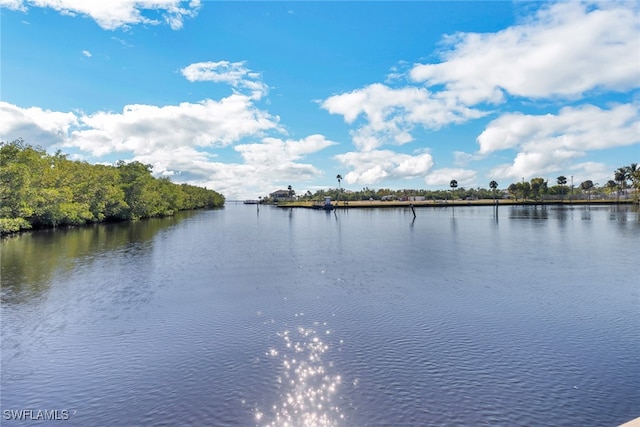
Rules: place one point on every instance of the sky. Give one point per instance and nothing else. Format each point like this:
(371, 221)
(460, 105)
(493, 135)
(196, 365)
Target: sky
(249, 97)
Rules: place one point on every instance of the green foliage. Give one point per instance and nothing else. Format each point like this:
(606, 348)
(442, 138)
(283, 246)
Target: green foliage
(538, 188)
(41, 190)
(13, 225)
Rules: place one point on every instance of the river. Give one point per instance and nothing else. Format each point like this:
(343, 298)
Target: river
(366, 317)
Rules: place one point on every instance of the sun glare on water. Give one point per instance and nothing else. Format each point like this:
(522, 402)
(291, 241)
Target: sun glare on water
(307, 386)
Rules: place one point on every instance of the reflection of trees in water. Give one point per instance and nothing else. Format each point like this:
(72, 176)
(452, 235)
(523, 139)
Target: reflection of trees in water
(624, 213)
(620, 213)
(562, 214)
(29, 261)
(627, 219)
(529, 212)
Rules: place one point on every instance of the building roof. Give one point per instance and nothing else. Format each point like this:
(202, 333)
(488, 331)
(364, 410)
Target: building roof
(279, 193)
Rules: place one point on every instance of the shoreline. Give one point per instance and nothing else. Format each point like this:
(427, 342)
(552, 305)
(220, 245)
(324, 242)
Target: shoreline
(5, 233)
(456, 203)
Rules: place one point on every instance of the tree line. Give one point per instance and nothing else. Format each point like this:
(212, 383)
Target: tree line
(624, 178)
(537, 189)
(38, 190)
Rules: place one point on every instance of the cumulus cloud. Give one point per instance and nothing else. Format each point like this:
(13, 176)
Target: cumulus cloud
(86, 53)
(272, 161)
(443, 176)
(35, 124)
(147, 128)
(550, 142)
(13, 4)
(114, 14)
(390, 114)
(461, 159)
(277, 160)
(274, 152)
(233, 73)
(180, 160)
(370, 167)
(580, 128)
(565, 50)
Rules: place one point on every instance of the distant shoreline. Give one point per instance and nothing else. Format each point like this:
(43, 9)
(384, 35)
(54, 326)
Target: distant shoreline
(456, 203)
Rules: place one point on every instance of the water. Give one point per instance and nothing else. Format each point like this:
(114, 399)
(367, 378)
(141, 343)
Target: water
(235, 317)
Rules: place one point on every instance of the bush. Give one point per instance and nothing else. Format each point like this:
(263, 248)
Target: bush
(13, 225)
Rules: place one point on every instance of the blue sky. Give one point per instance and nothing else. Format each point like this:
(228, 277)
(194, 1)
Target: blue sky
(250, 97)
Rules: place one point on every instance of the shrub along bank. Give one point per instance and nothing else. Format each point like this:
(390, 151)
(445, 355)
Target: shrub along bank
(38, 190)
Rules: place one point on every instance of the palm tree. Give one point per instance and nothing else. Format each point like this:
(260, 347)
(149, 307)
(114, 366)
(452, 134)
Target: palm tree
(611, 185)
(453, 184)
(620, 176)
(291, 192)
(587, 186)
(562, 180)
(494, 185)
(633, 174)
(339, 178)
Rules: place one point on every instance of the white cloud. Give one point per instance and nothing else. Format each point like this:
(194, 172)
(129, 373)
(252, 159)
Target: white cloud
(550, 143)
(114, 14)
(578, 128)
(146, 128)
(35, 124)
(391, 114)
(461, 159)
(567, 49)
(599, 173)
(13, 5)
(86, 53)
(443, 176)
(276, 161)
(182, 159)
(533, 164)
(233, 73)
(276, 153)
(373, 166)
(265, 165)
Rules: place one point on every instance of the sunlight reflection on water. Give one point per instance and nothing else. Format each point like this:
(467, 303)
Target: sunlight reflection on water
(306, 382)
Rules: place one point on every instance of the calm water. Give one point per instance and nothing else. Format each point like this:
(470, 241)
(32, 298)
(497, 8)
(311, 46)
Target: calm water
(235, 317)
